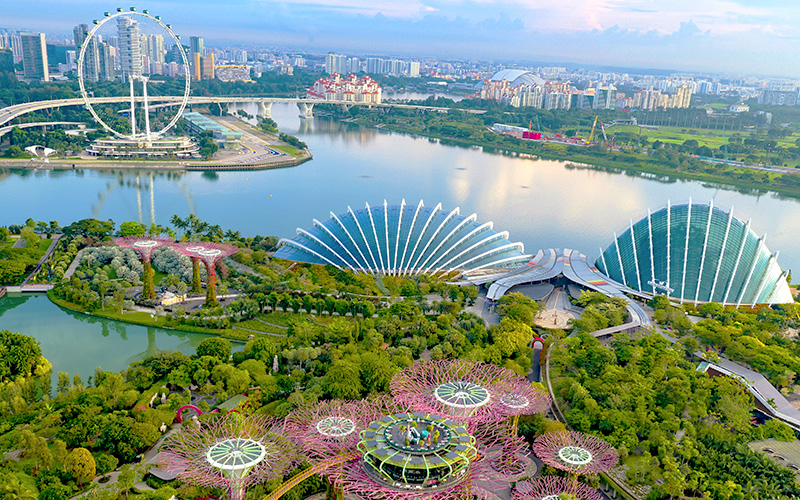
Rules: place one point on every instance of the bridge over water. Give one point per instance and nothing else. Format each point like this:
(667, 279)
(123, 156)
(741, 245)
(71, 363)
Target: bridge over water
(305, 105)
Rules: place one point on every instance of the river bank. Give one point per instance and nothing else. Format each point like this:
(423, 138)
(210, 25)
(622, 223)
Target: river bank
(744, 179)
(176, 166)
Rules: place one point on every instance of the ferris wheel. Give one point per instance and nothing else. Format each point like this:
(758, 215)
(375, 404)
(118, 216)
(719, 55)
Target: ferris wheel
(147, 134)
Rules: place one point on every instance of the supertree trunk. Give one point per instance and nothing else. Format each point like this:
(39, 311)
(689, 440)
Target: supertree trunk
(211, 288)
(197, 286)
(148, 289)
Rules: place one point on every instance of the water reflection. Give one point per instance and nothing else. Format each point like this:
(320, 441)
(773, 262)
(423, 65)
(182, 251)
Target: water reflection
(541, 203)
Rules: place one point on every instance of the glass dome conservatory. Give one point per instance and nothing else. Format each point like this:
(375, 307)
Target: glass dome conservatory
(696, 253)
(404, 240)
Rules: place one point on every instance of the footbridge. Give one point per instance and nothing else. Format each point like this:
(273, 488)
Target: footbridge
(305, 105)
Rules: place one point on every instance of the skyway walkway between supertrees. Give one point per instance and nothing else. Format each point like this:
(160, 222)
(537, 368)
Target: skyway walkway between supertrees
(443, 434)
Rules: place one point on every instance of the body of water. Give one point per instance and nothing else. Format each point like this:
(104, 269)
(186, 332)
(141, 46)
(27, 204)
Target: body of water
(541, 203)
(77, 343)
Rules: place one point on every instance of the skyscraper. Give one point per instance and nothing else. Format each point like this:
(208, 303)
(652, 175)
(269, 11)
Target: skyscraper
(34, 56)
(196, 53)
(196, 44)
(91, 64)
(156, 48)
(130, 51)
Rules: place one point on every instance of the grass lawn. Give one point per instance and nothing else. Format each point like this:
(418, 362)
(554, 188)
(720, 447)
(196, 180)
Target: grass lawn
(286, 149)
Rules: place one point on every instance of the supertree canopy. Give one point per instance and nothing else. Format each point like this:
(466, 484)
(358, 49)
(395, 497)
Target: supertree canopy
(207, 252)
(467, 391)
(230, 452)
(416, 455)
(575, 452)
(328, 429)
(144, 245)
(553, 488)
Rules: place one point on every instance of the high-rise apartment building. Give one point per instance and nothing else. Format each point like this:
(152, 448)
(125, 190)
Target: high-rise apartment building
(130, 52)
(413, 69)
(682, 97)
(336, 63)
(91, 57)
(34, 56)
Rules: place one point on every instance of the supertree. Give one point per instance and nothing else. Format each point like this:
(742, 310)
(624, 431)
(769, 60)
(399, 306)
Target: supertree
(231, 452)
(575, 452)
(332, 428)
(467, 391)
(553, 488)
(144, 245)
(416, 455)
(207, 252)
(520, 397)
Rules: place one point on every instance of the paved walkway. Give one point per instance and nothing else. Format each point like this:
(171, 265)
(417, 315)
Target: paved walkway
(43, 259)
(73, 265)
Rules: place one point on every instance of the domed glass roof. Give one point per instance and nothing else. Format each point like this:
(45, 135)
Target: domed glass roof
(518, 76)
(403, 239)
(699, 253)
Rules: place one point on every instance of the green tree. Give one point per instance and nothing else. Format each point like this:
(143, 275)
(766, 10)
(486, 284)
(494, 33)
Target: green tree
(132, 228)
(81, 465)
(511, 336)
(216, 347)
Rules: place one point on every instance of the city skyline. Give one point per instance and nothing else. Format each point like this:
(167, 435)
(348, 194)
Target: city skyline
(724, 36)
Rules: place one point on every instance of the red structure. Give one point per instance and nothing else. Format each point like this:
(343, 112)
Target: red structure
(548, 487)
(575, 452)
(230, 452)
(467, 391)
(145, 245)
(207, 252)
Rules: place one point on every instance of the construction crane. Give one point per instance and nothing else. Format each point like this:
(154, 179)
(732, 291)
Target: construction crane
(602, 128)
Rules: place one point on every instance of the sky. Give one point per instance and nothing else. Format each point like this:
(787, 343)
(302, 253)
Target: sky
(757, 37)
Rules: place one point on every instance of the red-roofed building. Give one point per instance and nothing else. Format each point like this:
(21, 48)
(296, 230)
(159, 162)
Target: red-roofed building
(346, 88)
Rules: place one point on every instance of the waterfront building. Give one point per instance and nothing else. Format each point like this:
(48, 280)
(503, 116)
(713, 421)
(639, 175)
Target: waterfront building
(404, 240)
(164, 147)
(130, 53)
(34, 56)
(696, 253)
(413, 69)
(350, 88)
(197, 124)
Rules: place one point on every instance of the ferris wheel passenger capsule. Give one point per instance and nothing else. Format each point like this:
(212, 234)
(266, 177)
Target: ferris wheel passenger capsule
(106, 14)
(133, 9)
(119, 9)
(158, 18)
(95, 21)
